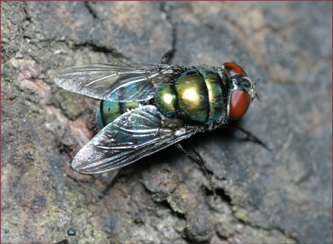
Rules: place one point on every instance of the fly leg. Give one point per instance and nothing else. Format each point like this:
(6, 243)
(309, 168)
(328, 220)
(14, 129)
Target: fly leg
(196, 158)
(167, 56)
(249, 135)
(111, 184)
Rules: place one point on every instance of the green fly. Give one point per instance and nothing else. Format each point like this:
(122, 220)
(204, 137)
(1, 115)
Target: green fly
(147, 107)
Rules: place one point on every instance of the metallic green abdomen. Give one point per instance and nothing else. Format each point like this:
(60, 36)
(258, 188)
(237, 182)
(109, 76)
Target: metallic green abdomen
(197, 94)
(111, 109)
(107, 112)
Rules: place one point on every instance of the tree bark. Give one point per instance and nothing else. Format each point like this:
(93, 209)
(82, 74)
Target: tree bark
(264, 196)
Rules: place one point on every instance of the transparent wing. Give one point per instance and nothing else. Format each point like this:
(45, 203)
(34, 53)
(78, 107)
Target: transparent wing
(101, 80)
(132, 136)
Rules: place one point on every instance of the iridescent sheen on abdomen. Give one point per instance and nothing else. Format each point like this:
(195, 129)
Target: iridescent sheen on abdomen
(196, 95)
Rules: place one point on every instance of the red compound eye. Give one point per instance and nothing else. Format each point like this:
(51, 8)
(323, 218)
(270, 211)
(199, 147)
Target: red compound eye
(239, 103)
(234, 69)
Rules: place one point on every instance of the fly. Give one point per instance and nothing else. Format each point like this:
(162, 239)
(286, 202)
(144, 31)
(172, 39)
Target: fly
(147, 107)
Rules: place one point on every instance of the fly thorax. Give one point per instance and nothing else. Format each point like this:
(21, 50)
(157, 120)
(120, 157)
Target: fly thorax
(216, 96)
(200, 95)
(192, 96)
(165, 99)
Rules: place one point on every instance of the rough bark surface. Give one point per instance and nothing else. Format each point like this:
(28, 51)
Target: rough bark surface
(279, 196)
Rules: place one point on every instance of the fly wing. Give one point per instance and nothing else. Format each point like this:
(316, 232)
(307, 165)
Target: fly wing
(132, 136)
(100, 80)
